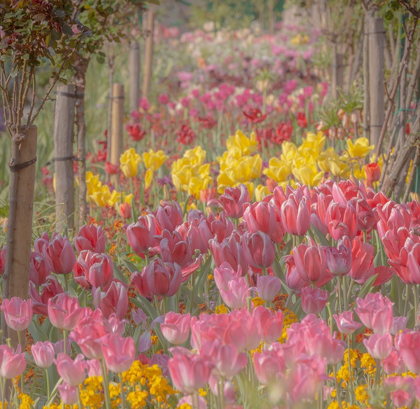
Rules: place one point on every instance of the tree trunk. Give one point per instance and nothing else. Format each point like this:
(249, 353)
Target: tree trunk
(63, 161)
(111, 69)
(117, 125)
(338, 72)
(79, 81)
(148, 57)
(366, 92)
(19, 234)
(134, 68)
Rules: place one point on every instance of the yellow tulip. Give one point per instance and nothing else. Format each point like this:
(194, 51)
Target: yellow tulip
(250, 186)
(277, 170)
(198, 184)
(339, 168)
(360, 148)
(359, 172)
(119, 197)
(148, 177)
(129, 163)
(101, 196)
(261, 192)
(324, 159)
(242, 142)
(248, 168)
(195, 156)
(154, 160)
(92, 182)
(308, 175)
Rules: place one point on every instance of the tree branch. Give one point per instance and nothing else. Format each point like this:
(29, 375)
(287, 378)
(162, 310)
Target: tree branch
(411, 9)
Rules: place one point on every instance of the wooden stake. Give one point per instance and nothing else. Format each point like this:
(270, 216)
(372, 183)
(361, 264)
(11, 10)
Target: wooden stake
(117, 125)
(376, 77)
(19, 237)
(63, 150)
(148, 54)
(134, 68)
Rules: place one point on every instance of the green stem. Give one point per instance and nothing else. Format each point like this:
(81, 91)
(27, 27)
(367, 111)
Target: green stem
(345, 293)
(47, 377)
(122, 391)
(407, 289)
(339, 294)
(192, 293)
(65, 341)
(66, 283)
(416, 303)
(165, 305)
(350, 379)
(78, 398)
(289, 300)
(22, 345)
(106, 385)
(3, 392)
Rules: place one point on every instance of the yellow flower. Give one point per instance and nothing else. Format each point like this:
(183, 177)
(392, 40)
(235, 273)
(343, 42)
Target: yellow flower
(312, 145)
(257, 301)
(119, 197)
(308, 175)
(154, 160)
(195, 156)
(261, 191)
(101, 196)
(277, 170)
(92, 183)
(361, 395)
(339, 168)
(129, 163)
(241, 142)
(368, 364)
(221, 309)
(3, 223)
(360, 148)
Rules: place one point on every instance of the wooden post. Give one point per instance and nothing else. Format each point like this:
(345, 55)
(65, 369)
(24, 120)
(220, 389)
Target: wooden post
(338, 72)
(19, 237)
(63, 150)
(366, 88)
(148, 53)
(376, 33)
(117, 125)
(134, 68)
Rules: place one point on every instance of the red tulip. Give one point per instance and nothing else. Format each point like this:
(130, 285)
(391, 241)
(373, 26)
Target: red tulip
(93, 270)
(135, 132)
(259, 249)
(163, 279)
(141, 235)
(90, 237)
(373, 172)
(262, 216)
(18, 313)
(64, 311)
(111, 169)
(59, 254)
(114, 300)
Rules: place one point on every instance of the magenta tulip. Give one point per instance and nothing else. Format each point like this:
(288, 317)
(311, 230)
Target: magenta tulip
(233, 200)
(38, 269)
(169, 215)
(339, 260)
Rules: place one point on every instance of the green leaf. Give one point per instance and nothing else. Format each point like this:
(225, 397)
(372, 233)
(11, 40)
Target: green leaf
(119, 274)
(132, 267)
(36, 332)
(145, 305)
(367, 286)
(322, 239)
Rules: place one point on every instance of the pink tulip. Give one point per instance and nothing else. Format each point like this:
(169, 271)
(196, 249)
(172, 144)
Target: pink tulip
(18, 313)
(236, 294)
(190, 400)
(218, 228)
(259, 249)
(163, 279)
(398, 325)
(269, 324)
(189, 373)
(68, 393)
(379, 346)
(408, 346)
(325, 346)
(293, 279)
(118, 352)
(362, 261)
(94, 368)
(262, 216)
(393, 363)
(169, 215)
(93, 270)
(230, 251)
(88, 334)
(310, 261)
(90, 238)
(43, 353)
(233, 201)
(339, 260)
(269, 365)
(40, 242)
(345, 322)
(365, 216)
(59, 254)
(176, 327)
(38, 269)
(268, 287)
(190, 230)
(64, 311)
(113, 301)
(375, 312)
(227, 359)
(141, 235)
(139, 281)
(401, 390)
(223, 274)
(72, 371)
(413, 261)
(12, 363)
(296, 214)
(342, 221)
(313, 300)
